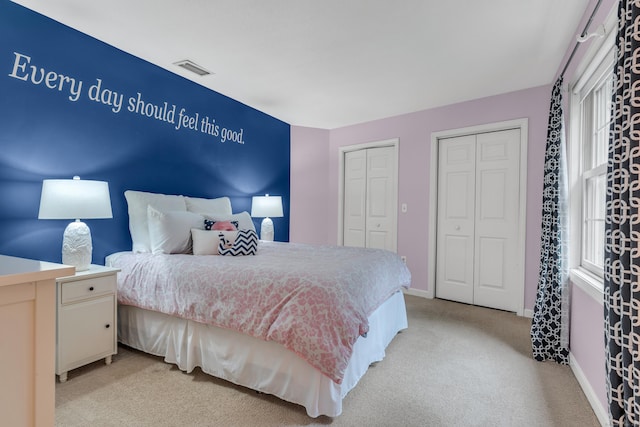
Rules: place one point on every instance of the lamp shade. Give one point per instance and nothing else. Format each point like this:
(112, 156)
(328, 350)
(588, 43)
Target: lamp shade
(74, 199)
(266, 206)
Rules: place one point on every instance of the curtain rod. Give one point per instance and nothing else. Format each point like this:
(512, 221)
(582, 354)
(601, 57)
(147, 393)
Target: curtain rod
(584, 32)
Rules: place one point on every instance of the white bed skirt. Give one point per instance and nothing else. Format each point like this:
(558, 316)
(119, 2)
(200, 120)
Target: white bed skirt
(260, 365)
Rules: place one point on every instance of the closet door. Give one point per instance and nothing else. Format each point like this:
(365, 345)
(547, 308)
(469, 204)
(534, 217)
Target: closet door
(355, 198)
(478, 219)
(497, 219)
(381, 200)
(370, 198)
(456, 219)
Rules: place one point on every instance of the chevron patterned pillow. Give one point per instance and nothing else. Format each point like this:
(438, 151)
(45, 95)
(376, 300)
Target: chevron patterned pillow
(245, 243)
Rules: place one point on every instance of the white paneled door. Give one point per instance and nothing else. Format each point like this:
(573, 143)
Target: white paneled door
(478, 247)
(456, 218)
(370, 198)
(355, 198)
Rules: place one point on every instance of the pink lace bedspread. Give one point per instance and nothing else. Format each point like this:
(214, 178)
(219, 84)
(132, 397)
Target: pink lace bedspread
(314, 300)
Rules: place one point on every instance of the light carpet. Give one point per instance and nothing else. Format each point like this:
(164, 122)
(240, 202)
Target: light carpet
(456, 365)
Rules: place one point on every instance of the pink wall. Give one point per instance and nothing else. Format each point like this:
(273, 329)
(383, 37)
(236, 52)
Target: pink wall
(414, 132)
(587, 340)
(309, 185)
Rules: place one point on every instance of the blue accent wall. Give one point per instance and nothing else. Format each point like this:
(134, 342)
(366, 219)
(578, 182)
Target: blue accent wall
(69, 106)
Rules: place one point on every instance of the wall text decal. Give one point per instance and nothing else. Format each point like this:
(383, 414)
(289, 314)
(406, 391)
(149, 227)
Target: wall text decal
(179, 118)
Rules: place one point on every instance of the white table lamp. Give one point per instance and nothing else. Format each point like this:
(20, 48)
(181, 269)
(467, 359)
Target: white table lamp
(75, 199)
(266, 207)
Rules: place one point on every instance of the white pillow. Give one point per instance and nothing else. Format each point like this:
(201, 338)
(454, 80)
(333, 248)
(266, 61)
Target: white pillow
(206, 242)
(243, 218)
(219, 206)
(137, 202)
(170, 232)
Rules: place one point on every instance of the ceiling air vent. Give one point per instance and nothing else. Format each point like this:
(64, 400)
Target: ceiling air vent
(194, 68)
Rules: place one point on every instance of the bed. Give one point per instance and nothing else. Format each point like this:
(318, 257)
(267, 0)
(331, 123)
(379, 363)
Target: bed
(301, 322)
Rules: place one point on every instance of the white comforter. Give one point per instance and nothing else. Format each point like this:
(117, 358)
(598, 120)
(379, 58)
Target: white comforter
(314, 300)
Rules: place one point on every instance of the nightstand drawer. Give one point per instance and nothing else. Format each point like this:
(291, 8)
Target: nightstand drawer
(87, 288)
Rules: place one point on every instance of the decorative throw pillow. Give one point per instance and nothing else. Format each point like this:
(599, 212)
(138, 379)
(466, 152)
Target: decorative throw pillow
(210, 224)
(206, 242)
(243, 219)
(245, 243)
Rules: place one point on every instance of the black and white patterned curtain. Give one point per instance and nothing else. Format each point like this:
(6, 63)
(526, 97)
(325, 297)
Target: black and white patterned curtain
(550, 324)
(622, 227)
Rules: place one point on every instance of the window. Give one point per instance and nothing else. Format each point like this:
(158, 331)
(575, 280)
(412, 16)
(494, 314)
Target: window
(589, 140)
(596, 119)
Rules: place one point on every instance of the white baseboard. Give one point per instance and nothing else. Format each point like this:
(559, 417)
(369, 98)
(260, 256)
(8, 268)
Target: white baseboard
(429, 295)
(601, 413)
(418, 293)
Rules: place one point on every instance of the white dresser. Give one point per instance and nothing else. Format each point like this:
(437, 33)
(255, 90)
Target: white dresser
(27, 340)
(86, 327)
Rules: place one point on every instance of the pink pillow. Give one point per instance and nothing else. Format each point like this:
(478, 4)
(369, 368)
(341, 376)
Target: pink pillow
(223, 226)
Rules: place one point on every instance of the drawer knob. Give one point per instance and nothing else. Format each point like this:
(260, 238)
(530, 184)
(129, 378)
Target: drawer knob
(107, 326)
(91, 288)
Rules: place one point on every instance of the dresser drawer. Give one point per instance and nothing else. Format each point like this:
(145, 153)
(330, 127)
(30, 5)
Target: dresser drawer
(87, 288)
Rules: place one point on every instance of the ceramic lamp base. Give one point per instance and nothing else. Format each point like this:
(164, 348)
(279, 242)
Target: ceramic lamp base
(76, 245)
(266, 230)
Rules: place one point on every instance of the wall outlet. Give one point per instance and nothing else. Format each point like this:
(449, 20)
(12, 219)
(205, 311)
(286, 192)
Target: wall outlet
(404, 259)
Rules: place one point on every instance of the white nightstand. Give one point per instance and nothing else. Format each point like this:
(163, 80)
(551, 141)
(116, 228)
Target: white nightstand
(86, 316)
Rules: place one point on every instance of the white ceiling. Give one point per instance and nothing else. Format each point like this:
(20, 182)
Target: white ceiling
(332, 63)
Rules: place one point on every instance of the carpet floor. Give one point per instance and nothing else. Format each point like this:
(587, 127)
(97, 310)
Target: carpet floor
(456, 365)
